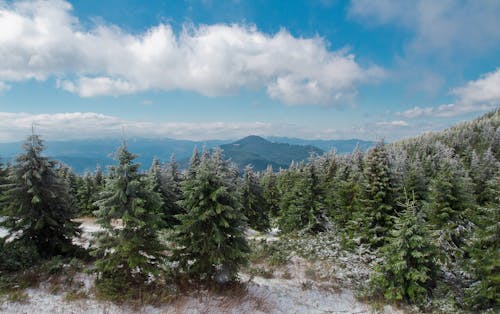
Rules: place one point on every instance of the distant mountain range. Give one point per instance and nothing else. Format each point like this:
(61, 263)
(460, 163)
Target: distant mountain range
(84, 155)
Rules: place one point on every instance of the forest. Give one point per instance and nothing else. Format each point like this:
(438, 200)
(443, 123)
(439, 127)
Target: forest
(421, 214)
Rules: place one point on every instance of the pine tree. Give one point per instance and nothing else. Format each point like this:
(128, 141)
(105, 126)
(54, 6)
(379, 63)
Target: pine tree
(450, 199)
(165, 184)
(38, 207)
(415, 182)
(484, 262)
(305, 211)
(378, 197)
(483, 170)
(270, 191)
(254, 206)
(86, 195)
(131, 254)
(407, 270)
(210, 239)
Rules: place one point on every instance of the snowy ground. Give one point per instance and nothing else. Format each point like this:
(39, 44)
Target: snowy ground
(298, 293)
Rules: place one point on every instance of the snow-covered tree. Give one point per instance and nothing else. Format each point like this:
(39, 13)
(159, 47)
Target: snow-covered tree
(131, 253)
(37, 206)
(210, 241)
(406, 272)
(253, 203)
(378, 199)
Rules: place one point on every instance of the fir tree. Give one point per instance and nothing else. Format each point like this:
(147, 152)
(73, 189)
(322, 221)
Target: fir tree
(38, 207)
(270, 191)
(164, 183)
(305, 209)
(253, 201)
(87, 193)
(210, 239)
(408, 259)
(131, 254)
(450, 199)
(484, 262)
(378, 196)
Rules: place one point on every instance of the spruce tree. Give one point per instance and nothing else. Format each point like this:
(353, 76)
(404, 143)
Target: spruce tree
(305, 211)
(87, 193)
(37, 206)
(210, 239)
(484, 262)
(378, 197)
(408, 267)
(270, 191)
(450, 200)
(166, 185)
(252, 198)
(131, 254)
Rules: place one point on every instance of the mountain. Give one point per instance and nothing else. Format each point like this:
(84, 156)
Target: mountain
(341, 146)
(260, 152)
(84, 155)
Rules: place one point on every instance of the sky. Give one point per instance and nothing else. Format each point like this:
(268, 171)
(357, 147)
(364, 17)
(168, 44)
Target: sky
(207, 69)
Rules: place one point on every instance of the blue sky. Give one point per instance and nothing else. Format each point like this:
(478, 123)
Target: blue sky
(201, 69)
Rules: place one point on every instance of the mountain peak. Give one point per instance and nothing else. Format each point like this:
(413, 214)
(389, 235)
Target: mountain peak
(252, 140)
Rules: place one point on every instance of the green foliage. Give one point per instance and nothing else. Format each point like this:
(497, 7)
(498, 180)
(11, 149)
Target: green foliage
(378, 198)
(210, 240)
(484, 262)
(166, 181)
(450, 200)
(253, 203)
(302, 207)
(87, 194)
(129, 255)
(270, 191)
(406, 272)
(37, 206)
(17, 256)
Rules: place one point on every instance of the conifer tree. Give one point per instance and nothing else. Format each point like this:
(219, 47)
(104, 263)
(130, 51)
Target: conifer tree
(210, 239)
(450, 199)
(305, 209)
(378, 197)
(406, 272)
(194, 162)
(254, 206)
(87, 193)
(164, 183)
(128, 255)
(270, 191)
(38, 207)
(415, 182)
(484, 261)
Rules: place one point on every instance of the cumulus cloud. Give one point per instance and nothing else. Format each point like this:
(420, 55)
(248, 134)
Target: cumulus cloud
(485, 90)
(41, 39)
(478, 95)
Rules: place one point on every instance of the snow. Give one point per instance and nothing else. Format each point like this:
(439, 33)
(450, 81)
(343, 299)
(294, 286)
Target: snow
(330, 291)
(262, 296)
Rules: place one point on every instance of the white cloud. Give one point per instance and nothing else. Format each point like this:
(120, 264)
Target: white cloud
(446, 27)
(42, 39)
(395, 123)
(482, 94)
(484, 91)
(85, 125)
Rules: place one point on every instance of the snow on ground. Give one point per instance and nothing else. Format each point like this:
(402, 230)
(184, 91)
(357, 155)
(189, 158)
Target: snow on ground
(263, 296)
(299, 293)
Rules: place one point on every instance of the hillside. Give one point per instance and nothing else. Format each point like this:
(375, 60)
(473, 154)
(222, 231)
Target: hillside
(259, 153)
(84, 155)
